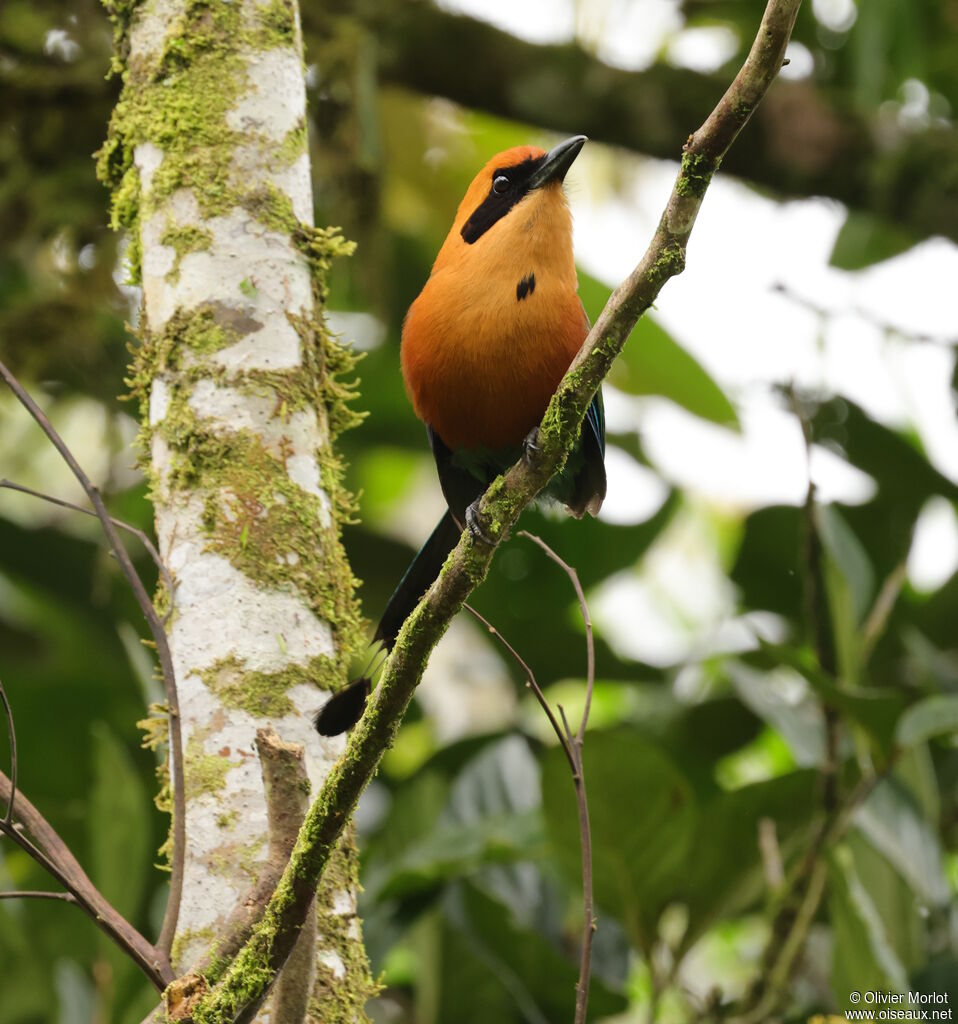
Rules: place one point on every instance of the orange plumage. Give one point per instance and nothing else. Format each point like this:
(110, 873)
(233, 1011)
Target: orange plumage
(484, 347)
(479, 364)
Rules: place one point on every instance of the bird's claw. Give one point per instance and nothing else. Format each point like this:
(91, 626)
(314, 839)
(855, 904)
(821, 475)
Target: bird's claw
(530, 446)
(475, 526)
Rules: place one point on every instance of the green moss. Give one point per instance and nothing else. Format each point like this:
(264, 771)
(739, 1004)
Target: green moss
(155, 728)
(262, 694)
(671, 261)
(277, 21)
(249, 974)
(743, 110)
(273, 531)
(247, 857)
(331, 999)
(184, 239)
(295, 143)
(120, 14)
(273, 207)
(156, 733)
(203, 772)
(198, 332)
(178, 100)
(227, 819)
(186, 938)
(559, 427)
(696, 173)
(124, 212)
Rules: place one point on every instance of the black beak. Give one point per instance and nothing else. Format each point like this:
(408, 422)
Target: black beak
(557, 162)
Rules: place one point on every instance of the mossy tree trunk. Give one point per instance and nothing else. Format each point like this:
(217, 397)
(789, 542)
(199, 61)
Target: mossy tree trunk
(237, 378)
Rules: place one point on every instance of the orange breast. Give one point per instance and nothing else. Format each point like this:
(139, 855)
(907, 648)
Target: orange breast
(480, 365)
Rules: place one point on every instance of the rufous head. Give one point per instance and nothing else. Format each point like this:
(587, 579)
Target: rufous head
(522, 180)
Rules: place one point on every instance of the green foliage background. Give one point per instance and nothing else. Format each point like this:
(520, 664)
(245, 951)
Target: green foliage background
(470, 847)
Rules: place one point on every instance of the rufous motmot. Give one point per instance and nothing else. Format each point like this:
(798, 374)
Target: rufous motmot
(484, 347)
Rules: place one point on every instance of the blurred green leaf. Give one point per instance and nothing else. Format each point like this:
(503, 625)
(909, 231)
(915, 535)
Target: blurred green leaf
(889, 45)
(383, 474)
(540, 982)
(489, 815)
(697, 736)
(452, 852)
(27, 996)
(849, 584)
(643, 814)
(863, 958)
(457, 984)
(917, 771)
(722, 872)
(932, 716)
(901, 914)
(777, 697)
(653, 363)
(939, 977)
(24, 25)
(865, 239)
(849, 556)
(895, 825)
(413, 813)
(118, 823)
(892, 457)
(876, 709)
(767, 568)
(502, 779)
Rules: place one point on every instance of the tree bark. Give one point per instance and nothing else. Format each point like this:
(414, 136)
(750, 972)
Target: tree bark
(236, 373)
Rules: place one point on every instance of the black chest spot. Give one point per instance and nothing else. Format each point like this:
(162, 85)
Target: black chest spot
(525, 287)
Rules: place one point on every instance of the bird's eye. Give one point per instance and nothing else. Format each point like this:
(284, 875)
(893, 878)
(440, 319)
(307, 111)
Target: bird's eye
(500, 184)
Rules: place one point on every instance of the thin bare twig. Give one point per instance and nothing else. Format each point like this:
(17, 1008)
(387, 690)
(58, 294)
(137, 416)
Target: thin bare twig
(168, 929)
(531, 682)
(571, 744)
(587, 622)
(12, 733)
(38, 894)
(578, 778)
(135, 531)
(572, 748)
(54, 856)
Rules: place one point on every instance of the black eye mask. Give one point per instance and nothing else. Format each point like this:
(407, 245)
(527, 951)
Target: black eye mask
(497, 204)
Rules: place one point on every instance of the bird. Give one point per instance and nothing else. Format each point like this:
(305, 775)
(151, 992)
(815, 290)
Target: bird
(484, 347)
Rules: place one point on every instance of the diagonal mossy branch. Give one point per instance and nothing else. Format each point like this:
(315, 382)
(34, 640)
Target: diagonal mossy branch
(241, 988)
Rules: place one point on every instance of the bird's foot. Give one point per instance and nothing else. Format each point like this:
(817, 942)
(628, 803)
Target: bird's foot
(530, 446)
(474, 525)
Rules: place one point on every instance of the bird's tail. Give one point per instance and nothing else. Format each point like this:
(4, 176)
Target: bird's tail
(343, 709)
(417, 579)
